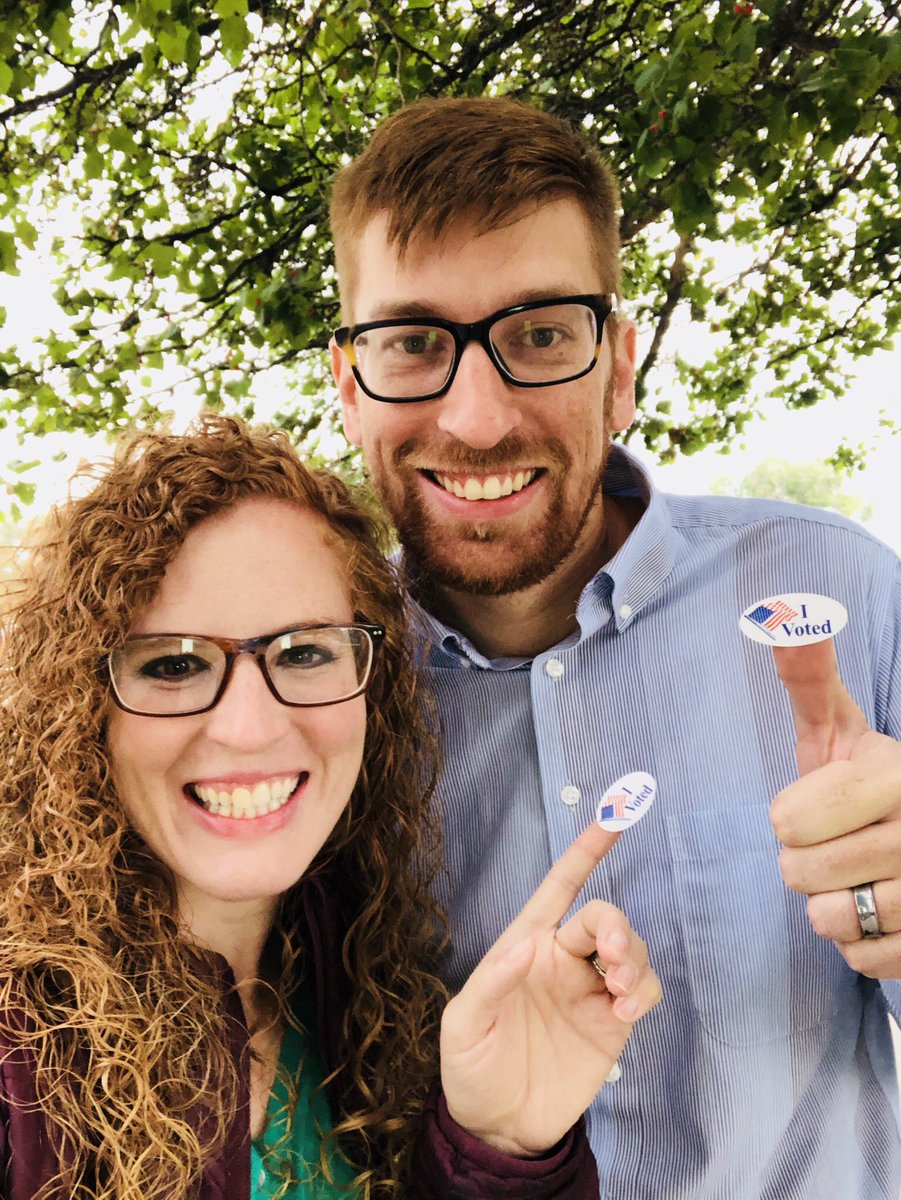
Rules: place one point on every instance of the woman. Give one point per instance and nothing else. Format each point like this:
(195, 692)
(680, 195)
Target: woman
(213, 826)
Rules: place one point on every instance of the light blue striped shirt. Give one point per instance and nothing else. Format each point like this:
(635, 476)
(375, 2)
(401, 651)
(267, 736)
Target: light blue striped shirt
(767, 1071)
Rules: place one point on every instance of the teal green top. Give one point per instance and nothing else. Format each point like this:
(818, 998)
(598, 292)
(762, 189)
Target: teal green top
(275, 1156)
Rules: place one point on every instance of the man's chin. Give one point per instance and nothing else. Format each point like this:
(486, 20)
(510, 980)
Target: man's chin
(479, 568)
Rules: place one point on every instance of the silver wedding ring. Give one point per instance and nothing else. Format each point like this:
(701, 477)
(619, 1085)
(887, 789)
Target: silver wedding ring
(597, 964)
(865, 903)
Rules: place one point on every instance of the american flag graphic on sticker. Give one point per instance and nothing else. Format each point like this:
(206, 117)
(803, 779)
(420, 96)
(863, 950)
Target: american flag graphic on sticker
(615, 806)
(769, 618)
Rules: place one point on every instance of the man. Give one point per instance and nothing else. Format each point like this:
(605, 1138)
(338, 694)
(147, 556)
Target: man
(583, 626)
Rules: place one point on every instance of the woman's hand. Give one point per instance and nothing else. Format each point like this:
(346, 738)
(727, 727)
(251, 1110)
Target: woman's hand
(531, 1038)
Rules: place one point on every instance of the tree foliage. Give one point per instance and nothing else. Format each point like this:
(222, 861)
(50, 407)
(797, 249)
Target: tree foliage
(757, 144)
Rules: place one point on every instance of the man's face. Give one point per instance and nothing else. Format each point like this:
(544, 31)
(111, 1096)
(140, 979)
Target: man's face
(485, 436)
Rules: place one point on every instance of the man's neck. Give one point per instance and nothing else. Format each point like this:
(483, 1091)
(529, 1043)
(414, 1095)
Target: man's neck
(525, 623)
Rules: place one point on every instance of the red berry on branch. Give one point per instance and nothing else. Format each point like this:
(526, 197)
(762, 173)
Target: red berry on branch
(738, 9)
(662, 114)
(655, 128)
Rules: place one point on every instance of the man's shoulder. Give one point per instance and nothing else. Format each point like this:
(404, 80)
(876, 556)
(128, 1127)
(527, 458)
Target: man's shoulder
(698, 512)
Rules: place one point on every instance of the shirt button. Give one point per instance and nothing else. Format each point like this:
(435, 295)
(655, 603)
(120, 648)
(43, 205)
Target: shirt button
(625, 611)
(554, 668)
(261, 1182)
(570, 794)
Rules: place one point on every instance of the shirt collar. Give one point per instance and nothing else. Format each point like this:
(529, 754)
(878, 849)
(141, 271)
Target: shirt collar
(618, 592)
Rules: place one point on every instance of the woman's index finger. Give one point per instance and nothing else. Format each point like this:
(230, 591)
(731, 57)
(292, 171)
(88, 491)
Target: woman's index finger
(557, 892)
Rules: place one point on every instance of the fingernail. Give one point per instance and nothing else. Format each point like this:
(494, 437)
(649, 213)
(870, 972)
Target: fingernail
(623, 976)
(618, 942)
(626, 1010)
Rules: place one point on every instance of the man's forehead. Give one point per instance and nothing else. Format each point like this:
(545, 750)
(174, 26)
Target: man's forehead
(432, 237)
(389, 278)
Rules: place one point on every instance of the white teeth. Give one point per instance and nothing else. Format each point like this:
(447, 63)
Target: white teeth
(245, 803)
(492, 487)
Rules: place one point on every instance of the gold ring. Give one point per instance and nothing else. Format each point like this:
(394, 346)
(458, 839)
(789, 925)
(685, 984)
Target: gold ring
(597, 964)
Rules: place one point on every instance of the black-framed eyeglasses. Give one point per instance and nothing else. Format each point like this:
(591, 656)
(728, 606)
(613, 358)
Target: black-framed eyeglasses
(180, 674)
(544, 342)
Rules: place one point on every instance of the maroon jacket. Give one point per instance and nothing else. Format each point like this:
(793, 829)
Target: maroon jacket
(448, 1163)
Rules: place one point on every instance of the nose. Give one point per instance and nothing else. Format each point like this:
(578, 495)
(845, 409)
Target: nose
(479, 408)
(248, 717)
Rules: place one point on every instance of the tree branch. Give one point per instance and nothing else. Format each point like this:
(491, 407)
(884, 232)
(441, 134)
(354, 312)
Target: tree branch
(677, 277)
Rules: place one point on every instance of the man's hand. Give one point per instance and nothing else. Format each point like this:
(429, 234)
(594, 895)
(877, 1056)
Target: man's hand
(841, 822)
(531, 1038)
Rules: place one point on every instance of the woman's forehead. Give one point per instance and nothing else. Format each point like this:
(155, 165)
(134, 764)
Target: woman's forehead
(263, 564)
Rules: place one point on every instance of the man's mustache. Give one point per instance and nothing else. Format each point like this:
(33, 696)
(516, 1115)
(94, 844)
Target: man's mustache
(511, 454)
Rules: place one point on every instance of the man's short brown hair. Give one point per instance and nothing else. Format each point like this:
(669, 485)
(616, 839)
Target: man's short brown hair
(436, 162)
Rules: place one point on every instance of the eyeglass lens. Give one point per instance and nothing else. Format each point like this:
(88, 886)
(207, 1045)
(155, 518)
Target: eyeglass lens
(541, 345)
(177, 675)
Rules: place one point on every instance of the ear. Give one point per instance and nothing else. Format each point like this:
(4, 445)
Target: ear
(347, 391)
(622, 403)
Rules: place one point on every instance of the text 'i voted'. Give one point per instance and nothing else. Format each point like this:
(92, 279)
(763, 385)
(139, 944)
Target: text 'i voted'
(795, 619)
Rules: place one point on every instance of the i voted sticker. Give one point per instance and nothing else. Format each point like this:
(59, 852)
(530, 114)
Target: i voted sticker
(627, 801)
(797, 619)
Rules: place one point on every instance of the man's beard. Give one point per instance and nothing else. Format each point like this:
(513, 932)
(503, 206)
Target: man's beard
(527, 561)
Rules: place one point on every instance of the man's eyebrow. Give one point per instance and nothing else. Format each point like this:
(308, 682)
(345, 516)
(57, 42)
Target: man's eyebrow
(420, 310)
(404, 308)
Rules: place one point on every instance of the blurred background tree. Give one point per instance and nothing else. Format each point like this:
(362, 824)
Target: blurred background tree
(757, 144)
(802, 483)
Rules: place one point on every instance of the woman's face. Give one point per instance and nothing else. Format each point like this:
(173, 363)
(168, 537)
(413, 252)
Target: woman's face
(263, 566)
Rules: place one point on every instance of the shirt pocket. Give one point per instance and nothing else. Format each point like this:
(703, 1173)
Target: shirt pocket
(757, 970)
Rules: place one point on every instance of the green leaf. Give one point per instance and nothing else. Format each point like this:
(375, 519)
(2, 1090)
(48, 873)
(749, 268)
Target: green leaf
(647, 78)
(122, 139)
(174, 43)
(9, 256)
(162, 257)
(235, 38)
(61, 33)
(746, 45)
(93, 163)
(26, 233)
(24, 492)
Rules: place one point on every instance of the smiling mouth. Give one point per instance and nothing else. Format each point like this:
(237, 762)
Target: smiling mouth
(245, 803)
(485, 487)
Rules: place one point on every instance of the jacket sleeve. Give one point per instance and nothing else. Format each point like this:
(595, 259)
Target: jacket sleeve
(450, 1164)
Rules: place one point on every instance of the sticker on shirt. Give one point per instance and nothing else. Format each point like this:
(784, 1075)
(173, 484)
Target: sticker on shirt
(797, 619)
(626, 801)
